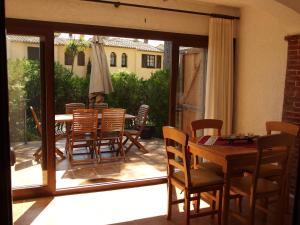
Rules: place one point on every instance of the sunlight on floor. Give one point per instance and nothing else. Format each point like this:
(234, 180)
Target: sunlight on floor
(99, 208)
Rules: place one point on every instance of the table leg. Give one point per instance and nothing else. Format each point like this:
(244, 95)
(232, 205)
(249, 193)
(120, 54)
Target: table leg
(68, 126)
(226, 198)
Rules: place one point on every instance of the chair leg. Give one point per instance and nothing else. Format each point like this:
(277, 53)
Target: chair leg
(187, 207)
(252, 212)
(213, 204)
(60, 153)
(121, 149)
(170, 190)
(219, 205)
(38, 154)
(197, 202)
(124, 142)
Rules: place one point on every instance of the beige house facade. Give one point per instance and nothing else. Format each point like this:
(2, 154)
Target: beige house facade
(123, 55)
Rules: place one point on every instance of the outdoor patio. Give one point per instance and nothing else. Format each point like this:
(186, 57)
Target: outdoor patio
(138, 165)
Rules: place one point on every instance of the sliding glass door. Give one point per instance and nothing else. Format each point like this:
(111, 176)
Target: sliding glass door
(26, 112)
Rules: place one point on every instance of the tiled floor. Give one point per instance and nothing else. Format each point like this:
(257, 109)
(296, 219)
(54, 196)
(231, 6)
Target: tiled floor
(135, 206)
(137, 166)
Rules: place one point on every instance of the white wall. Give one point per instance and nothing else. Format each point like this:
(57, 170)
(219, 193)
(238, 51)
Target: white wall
(262, 57)
(75, 11)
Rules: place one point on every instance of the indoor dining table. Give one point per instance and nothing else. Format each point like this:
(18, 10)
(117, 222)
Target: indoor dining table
(68, 119)
(231, 158)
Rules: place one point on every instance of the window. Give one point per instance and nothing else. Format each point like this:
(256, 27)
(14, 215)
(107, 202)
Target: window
(158, 61)
(81, 59)
(33, 53)
(113, 59)
(68, 59)
(148, 61)
(124, 60)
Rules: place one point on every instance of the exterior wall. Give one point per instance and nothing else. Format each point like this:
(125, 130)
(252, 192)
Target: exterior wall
(131, 64)
(18, 50)
(59, 56)
(262, 56)
(67, 11)
(146, 72)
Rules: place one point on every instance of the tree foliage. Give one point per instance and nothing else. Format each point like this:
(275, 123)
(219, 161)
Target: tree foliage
(73, 47)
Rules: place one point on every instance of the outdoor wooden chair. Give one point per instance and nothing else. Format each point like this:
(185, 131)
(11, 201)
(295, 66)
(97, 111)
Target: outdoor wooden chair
(111, 133)
(256, 187)
(134, 134)
(84, 129)
(69, 107)
(190, 181)
(58, 135)
(99, 106)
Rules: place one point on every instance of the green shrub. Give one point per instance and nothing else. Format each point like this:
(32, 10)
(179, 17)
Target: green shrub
(69, 88)
(157, 97)
(128, 92)
(16, 83)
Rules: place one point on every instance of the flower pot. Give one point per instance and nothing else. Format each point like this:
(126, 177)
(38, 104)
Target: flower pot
(148, 132)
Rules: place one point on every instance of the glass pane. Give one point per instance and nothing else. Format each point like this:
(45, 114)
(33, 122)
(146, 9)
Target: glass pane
(190, 97)
(24, 84)
(141, 81)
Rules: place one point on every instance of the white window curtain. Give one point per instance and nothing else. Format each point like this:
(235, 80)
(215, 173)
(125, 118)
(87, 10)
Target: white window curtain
(219, 82)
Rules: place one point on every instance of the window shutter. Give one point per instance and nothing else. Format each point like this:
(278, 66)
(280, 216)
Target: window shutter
(33, 53)
(81, 59)
(144, 61)
(158, 61)
(68, 59)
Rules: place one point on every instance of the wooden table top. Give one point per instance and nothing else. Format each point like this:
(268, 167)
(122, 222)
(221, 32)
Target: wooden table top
(240, 154)
(69, 117)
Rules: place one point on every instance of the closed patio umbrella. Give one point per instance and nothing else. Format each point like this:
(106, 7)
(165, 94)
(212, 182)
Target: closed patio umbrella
(100, 82)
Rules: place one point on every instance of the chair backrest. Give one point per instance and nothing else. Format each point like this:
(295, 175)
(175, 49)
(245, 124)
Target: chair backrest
(282, 127)
(85, 121)
(113, 120)
(99, 106)
(206, 124)
(71, 106)
(176, 142)
(36, 121)
(141, 117)
(266, 144)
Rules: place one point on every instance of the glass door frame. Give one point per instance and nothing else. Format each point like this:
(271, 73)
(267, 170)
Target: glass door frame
(46, 31)
(47, 102)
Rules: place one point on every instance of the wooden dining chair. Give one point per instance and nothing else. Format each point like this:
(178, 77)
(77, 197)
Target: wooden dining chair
(201, 125)
(271, 170)
(270, 149)
(58, 135)
(134, 134)
(99, 106)
(84, 129)
(190, 181)
(111, 132)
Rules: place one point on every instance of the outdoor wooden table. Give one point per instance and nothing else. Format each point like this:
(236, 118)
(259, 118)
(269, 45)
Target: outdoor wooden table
(230, 158)
(68, 118)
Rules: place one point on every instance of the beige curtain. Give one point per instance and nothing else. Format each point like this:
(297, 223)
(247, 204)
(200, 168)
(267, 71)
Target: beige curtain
(219, 82)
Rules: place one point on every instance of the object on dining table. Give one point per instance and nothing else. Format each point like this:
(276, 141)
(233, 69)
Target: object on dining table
(240, 137)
